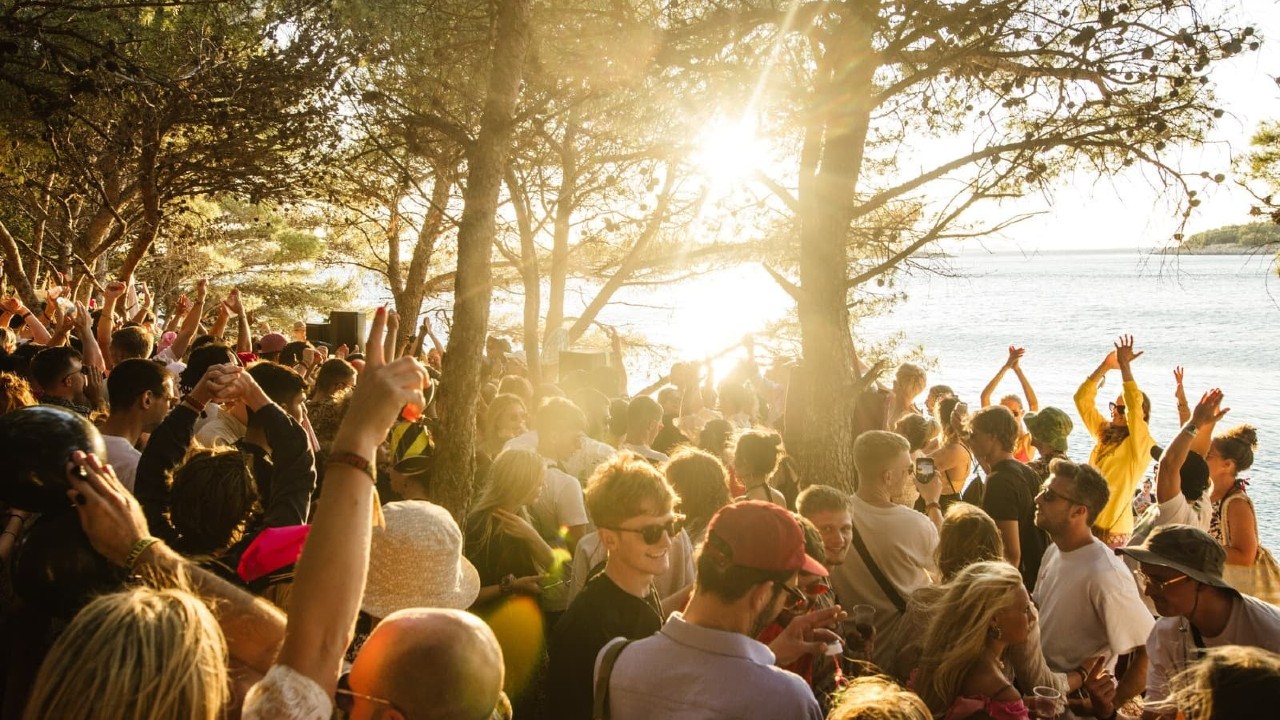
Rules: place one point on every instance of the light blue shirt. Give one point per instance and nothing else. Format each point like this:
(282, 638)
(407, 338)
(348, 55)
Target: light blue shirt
(689, 672)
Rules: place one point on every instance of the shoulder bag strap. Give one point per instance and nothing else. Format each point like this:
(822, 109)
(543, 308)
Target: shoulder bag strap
(600, 708)
(889, 590)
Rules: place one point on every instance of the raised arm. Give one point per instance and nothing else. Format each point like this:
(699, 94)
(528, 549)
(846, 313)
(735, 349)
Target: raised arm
(14, 306)
(435, 341)
(1180, 394)
(330, 576)
(1033, 402)
(144, 305)
(1125, 355)
(1015, 353)
(116, 527)
(1086, 396)
(244, 338)
(191, 323)
(219, 328)
(90, 352)
(1206, 415)
(106, 320)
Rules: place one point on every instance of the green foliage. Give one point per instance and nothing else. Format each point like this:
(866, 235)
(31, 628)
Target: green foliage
(1252, 235)
(272, 253)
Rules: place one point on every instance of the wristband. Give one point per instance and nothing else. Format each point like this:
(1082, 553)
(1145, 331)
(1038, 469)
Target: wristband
(930, 506)
(351, 459)
(193, 405)
(139, 547)
(1190, 429)
(504, 585)
(25, 315)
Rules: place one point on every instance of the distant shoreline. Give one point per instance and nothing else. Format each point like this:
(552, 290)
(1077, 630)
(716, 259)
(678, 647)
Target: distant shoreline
(1223, 250)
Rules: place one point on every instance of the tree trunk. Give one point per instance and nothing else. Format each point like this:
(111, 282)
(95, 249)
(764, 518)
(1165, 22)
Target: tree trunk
(455, 462)
(566, 200)
(13, 268)
(415, 290)
(831, 161)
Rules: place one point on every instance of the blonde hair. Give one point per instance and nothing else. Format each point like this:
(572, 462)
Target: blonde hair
(875, 697)
(143, 654)
(1228, 682)
(510, 482)
(968, 535)
(873, 451)
(957, 633)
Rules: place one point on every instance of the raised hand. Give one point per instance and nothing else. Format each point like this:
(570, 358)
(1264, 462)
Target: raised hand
(1209, 411)
(183, 306)
(232, 303)
(381, 393)
(202, 288)
(111, 517)
(218, 384)
(53, 292)
(84, 321)
(342, 351)
(12, 305)
(516, 526)
(1124, 352)
(1015, 355)
(95, 385)
(807, 634)
(114, 289)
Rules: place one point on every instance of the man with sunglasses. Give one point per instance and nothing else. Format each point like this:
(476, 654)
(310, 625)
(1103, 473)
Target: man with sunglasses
(62, 377)
(1089, 603)
(704, 662)
(1181, 567)
(632, 505)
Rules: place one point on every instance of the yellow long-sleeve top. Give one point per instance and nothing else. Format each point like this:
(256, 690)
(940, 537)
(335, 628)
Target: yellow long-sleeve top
(1122, 464)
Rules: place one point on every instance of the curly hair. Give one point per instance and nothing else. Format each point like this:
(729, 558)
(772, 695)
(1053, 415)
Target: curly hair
(213, 494)
(15, 393)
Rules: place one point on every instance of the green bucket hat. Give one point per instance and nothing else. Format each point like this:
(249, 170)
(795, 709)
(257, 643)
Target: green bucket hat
(1050, 426)
(1189, 550)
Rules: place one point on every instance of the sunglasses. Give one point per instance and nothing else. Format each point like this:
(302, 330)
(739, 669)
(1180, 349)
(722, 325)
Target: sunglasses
(652, 534)
(345, 698)
(1117, 409)
(1051, 495)
(1159, 584)
(796, 599)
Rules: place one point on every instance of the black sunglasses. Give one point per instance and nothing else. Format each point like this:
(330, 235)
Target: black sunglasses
(1051, 495)
(345, 698)
(652, 534)
(796, 600)
(1118, 409)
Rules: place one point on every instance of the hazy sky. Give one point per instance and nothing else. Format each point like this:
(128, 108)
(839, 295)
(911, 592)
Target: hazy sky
(1085, 212)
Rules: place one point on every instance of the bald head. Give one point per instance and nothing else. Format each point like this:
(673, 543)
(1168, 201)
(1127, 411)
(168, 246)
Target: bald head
(431, 664)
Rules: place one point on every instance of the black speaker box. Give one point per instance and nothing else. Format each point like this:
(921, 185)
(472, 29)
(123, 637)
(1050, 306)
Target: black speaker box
(319, 333)
(347, 328)
(571, 361)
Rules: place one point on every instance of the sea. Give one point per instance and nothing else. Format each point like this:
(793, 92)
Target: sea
(1218, 316)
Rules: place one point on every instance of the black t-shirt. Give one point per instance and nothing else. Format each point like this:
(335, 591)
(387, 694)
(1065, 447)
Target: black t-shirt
(1011, 492)
(600, 613)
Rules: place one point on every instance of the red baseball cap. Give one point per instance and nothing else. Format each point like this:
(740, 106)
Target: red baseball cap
(760, 535)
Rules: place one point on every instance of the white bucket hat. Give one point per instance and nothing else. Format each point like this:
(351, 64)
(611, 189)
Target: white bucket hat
(416, 561)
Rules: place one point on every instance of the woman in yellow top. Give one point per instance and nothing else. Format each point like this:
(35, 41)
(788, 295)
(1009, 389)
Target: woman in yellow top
(1123, 452)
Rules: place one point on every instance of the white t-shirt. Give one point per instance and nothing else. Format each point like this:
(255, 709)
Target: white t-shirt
(123, 458)
(646, 452)
(901, 541)
(590, 454)
(1174, 511)
(561, 503)
(1172, 647)
(1089, 605)
(224, 429)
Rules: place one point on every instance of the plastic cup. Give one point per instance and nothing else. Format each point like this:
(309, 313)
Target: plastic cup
(1046, 702)
(863, 618)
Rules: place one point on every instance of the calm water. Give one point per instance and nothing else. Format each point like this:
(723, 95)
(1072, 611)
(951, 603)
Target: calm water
(1215, 315)
(1212, 314)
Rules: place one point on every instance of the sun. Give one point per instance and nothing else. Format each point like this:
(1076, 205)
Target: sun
(729, 151)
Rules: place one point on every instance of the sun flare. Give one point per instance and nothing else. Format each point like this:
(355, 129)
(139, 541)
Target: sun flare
(729, 151)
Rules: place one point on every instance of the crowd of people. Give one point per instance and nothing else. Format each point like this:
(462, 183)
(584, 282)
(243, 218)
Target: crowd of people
(206, 522)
